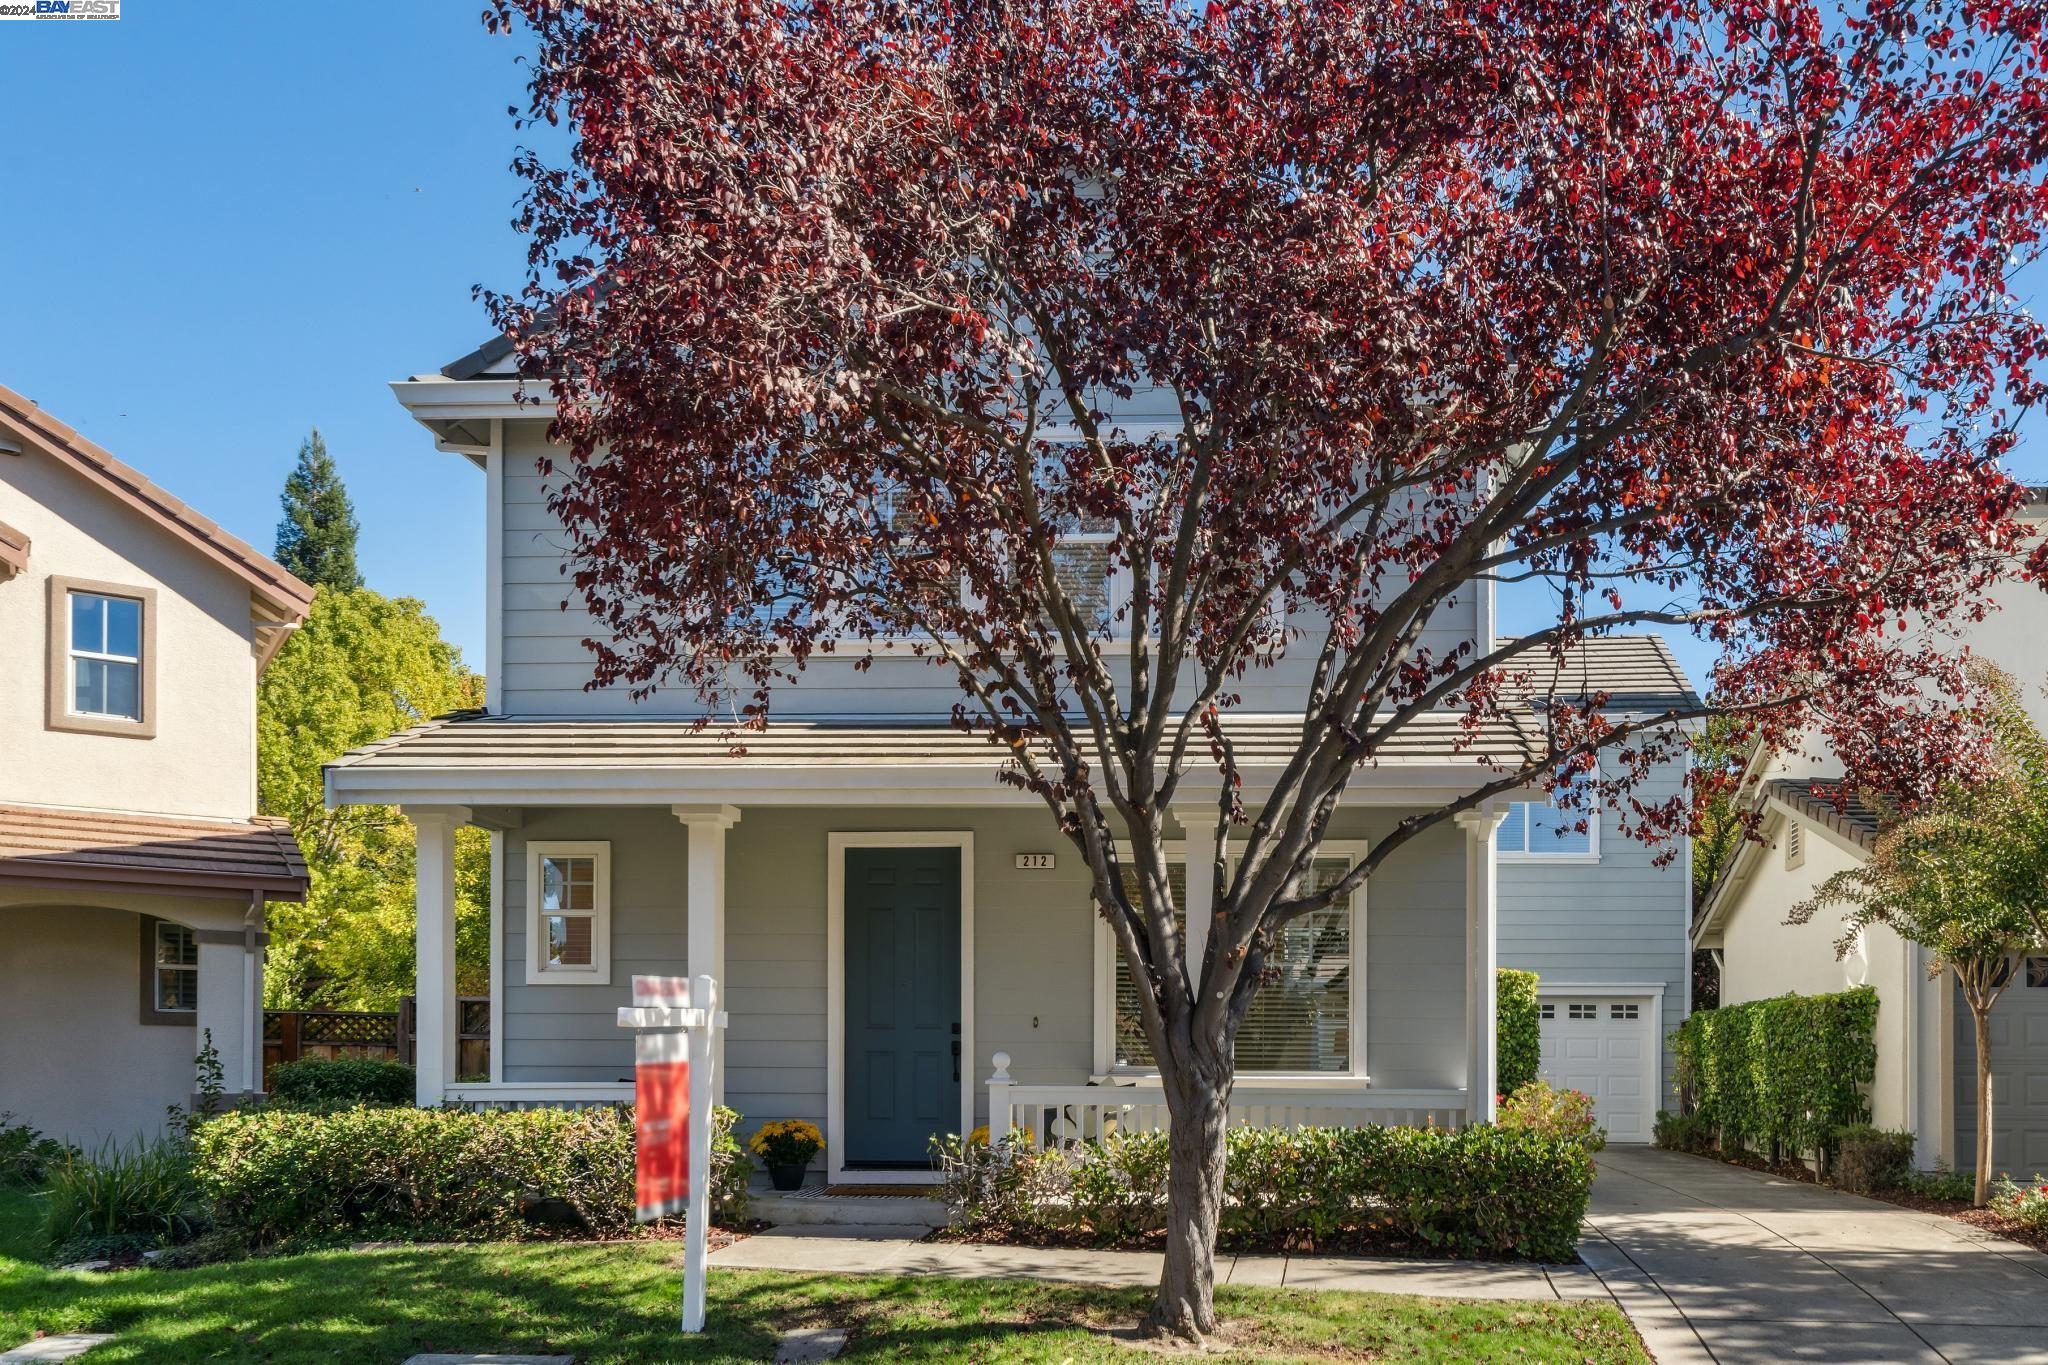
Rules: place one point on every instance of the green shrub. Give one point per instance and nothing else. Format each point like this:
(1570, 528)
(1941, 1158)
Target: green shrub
(1566, 1114)
(139, 1192)
(1489, 1190)
(1519, 1031)
(26, 1155)
(1942, 1183)
(343, 1081)
(447, 1173)
(1780, 1076)
(1872, 1160)
(1682, 1132)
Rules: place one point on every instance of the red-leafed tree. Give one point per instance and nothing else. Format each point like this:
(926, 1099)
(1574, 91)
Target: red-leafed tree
(1698, 312)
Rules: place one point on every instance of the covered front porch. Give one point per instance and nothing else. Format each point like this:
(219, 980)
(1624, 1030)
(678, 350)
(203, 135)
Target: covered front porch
(906, 948)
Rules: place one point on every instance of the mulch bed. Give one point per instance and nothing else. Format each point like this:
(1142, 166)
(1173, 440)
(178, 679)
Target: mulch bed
(1354, 1245)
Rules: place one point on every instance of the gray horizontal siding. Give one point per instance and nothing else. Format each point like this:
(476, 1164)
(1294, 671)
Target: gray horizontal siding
(1621, 919)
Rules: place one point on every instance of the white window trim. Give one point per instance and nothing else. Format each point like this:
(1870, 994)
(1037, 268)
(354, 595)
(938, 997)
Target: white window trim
(1591, 855)
(158, 967)
(1105, 988)
(599, 973)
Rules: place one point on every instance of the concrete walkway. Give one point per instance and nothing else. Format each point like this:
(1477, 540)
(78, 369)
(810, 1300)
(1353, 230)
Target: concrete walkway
(1718, 1263)
(885, 1251)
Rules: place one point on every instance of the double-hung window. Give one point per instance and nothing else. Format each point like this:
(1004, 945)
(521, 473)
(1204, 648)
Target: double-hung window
(568, 913)
(1307, 1018)
(101, 639)
(1544, 831)
(170, 972)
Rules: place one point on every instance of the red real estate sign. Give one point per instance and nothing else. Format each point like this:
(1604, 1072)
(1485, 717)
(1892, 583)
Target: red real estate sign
(661, 1115)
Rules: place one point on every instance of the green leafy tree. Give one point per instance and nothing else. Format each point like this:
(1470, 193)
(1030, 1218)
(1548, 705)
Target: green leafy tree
(363, 666)
(1966, 876)
(317, 538)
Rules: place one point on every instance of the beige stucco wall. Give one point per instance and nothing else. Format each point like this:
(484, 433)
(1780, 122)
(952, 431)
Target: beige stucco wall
(75, 1059)
(202, 760)
(1764, 956)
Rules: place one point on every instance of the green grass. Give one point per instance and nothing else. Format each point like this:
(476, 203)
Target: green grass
(617, 1303)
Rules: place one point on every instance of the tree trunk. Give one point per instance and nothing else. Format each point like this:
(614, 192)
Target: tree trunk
(1186, 1306)
(1982, 1020)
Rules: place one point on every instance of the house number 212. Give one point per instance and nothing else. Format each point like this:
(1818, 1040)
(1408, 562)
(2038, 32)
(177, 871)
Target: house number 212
(1034, 862)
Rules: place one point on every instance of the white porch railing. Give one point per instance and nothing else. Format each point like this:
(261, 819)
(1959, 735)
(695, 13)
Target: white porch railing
(1058, 1115)
(541, 1094)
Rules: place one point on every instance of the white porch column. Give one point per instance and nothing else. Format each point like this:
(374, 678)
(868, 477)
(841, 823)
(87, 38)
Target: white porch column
(434, 947)
(231, 1001)
(705, 901)
(1199, 822)
(1482, 956)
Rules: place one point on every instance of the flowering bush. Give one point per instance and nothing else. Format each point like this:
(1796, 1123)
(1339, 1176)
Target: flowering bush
(2026, 1205)
(1541, 1108)
(787, 1142)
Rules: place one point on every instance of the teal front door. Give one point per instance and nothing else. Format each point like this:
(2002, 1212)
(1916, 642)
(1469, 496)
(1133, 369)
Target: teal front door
(902, 1004)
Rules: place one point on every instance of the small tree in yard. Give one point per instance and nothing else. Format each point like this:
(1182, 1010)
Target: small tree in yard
(1696, 313)
(1967, 877)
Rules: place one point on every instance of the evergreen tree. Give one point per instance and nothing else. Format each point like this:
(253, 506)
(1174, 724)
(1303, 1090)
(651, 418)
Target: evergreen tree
(317, 538)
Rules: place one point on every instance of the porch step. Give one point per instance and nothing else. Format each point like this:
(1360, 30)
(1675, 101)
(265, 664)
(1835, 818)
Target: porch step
(815, 1208)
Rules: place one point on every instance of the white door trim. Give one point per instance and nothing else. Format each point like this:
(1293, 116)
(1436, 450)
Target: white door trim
(836, 845)
(1651, 991)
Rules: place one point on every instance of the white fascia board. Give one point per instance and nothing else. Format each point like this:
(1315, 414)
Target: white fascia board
(448, 400)
(777, 786)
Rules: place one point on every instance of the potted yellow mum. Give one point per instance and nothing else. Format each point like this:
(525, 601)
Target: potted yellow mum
(786, 1146)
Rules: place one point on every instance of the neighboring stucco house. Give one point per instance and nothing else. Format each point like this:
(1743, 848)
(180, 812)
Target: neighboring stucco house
(893, 927)
(133, 867)
(1926, 1057)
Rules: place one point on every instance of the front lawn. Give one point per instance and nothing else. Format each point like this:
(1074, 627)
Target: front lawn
(616, 1302)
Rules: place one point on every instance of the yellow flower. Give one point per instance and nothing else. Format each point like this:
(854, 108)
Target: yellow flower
(786, 1134)
(979, 1137)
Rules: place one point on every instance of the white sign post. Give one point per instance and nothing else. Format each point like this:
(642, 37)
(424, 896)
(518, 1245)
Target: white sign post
(678, 1020)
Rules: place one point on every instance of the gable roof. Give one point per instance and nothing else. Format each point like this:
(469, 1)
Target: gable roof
(480, 361)
(274, 588)
(1827, 802)
(1637, 672)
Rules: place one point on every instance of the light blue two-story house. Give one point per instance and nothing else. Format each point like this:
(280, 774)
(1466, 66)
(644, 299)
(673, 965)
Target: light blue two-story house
(903, 943)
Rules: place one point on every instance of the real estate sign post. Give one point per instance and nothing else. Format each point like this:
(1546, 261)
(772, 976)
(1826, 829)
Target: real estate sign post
(673, 1059)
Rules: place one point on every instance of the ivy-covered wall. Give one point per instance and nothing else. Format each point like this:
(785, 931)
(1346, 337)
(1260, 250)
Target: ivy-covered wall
(1778, 1076)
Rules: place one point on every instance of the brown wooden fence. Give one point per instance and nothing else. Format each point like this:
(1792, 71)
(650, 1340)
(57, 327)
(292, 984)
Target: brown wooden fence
(294, 1035)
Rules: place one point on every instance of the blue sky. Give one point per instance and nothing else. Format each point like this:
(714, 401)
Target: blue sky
(230, 223)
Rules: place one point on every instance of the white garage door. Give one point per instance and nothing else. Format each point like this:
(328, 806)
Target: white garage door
(1602, 1046)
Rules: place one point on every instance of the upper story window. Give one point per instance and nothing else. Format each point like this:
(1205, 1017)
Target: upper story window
(106, 655)
(1537, 831)
(102, 669)
(568, 913)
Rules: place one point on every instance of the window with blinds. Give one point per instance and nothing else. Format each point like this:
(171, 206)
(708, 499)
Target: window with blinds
(1131, 1048)
(1300, 1020)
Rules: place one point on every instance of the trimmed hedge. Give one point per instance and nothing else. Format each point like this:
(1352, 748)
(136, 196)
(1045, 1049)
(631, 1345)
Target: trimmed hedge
(1519, 1030)
(1482, 1191)
(1872, 1160)
(435, 1173)
(1780, 1076)
(343, 1080)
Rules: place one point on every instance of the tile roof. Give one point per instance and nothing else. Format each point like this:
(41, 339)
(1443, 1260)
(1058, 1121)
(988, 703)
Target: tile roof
(1832, 804)
(473, 740)
(1637, 672)
(269, 580)
(51, 846)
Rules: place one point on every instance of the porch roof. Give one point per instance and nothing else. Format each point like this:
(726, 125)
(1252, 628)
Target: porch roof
(51, 846)
(473, 757)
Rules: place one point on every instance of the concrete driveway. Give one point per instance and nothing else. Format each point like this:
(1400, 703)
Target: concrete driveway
(1718, 1263)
